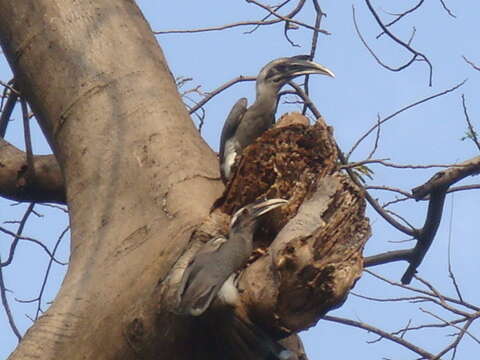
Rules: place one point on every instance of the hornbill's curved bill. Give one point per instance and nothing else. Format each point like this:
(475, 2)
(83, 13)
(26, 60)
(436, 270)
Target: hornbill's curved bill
(243, 125)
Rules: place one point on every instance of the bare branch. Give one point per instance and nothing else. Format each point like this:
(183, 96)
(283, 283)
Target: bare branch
(17, 237)
(421, 291)
(38, 299)
(218, 90)
(391, 116)
(383, 334)
(426, 235)
(280, 18)
(6, 306)
(288, 18)
(30, 171)
(47, 186)
(401, 15)
(319, 14)
(7, 112)
(449, 12)
(472, 134)
(10, 87)
(448, 177)
(451, 274)
(387, 257)
(415, 54)
(399, 166)
(436, 187)
(278, 7)
(455, 343)
(471, 63)
(387, 188)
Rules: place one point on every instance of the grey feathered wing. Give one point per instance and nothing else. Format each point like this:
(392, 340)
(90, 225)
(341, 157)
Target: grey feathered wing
(229, 127)
(195, 293)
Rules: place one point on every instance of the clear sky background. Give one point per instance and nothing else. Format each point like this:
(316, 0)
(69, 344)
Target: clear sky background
(428, 134)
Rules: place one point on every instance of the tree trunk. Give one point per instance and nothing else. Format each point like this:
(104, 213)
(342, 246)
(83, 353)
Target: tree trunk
(138, 176)
(140, 183)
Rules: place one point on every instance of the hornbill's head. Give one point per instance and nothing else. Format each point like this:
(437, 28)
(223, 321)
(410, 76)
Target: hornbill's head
(278, 72)
(246, 218)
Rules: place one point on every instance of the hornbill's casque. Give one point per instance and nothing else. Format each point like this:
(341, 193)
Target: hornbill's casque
(211, 273)
(243, 125)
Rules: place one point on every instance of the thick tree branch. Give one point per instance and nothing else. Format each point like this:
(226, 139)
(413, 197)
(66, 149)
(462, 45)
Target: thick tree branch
(436, 187)
(47, 184)
(448, 177)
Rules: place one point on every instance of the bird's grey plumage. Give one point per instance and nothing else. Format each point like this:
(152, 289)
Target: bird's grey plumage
(248, 341)
(243, 125)
(228, 144)
(219, 258)
(211, 272)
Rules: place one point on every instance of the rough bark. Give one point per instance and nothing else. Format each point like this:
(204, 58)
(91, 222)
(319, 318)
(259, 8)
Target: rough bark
(138, 176)
(140, 183)
(15, 184)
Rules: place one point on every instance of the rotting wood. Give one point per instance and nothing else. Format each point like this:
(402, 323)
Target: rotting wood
(308, 253)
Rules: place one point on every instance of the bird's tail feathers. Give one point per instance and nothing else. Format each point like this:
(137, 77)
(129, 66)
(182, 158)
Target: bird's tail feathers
(247, 341)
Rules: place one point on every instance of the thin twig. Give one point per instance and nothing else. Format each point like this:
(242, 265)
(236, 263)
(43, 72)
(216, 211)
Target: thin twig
(384, 334)
(471, 63)
(237, 24)
(449, 12)
(401, 15)
(7, 112)
(6, 306)
(472, 133)
(218, 90)
(391, 116)
(421, 291)
(377, 138)
(313, 47)
(278, 7)
(47, 272)
(415, 54)
(288, 17)
(15, 242)
(10, 87)
(17, 236)
(30, 174)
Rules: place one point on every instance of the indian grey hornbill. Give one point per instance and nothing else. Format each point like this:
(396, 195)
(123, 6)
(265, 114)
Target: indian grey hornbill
(243, 125)
(219, 258)
(210, 274)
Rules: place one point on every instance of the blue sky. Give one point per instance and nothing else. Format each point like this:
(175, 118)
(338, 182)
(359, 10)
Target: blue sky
(430, 133)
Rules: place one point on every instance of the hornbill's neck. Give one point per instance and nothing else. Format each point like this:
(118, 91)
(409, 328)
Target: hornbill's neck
(266, 99)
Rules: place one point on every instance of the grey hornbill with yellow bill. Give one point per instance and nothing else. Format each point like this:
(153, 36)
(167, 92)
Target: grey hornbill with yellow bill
(210, 274)
(243, 125)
